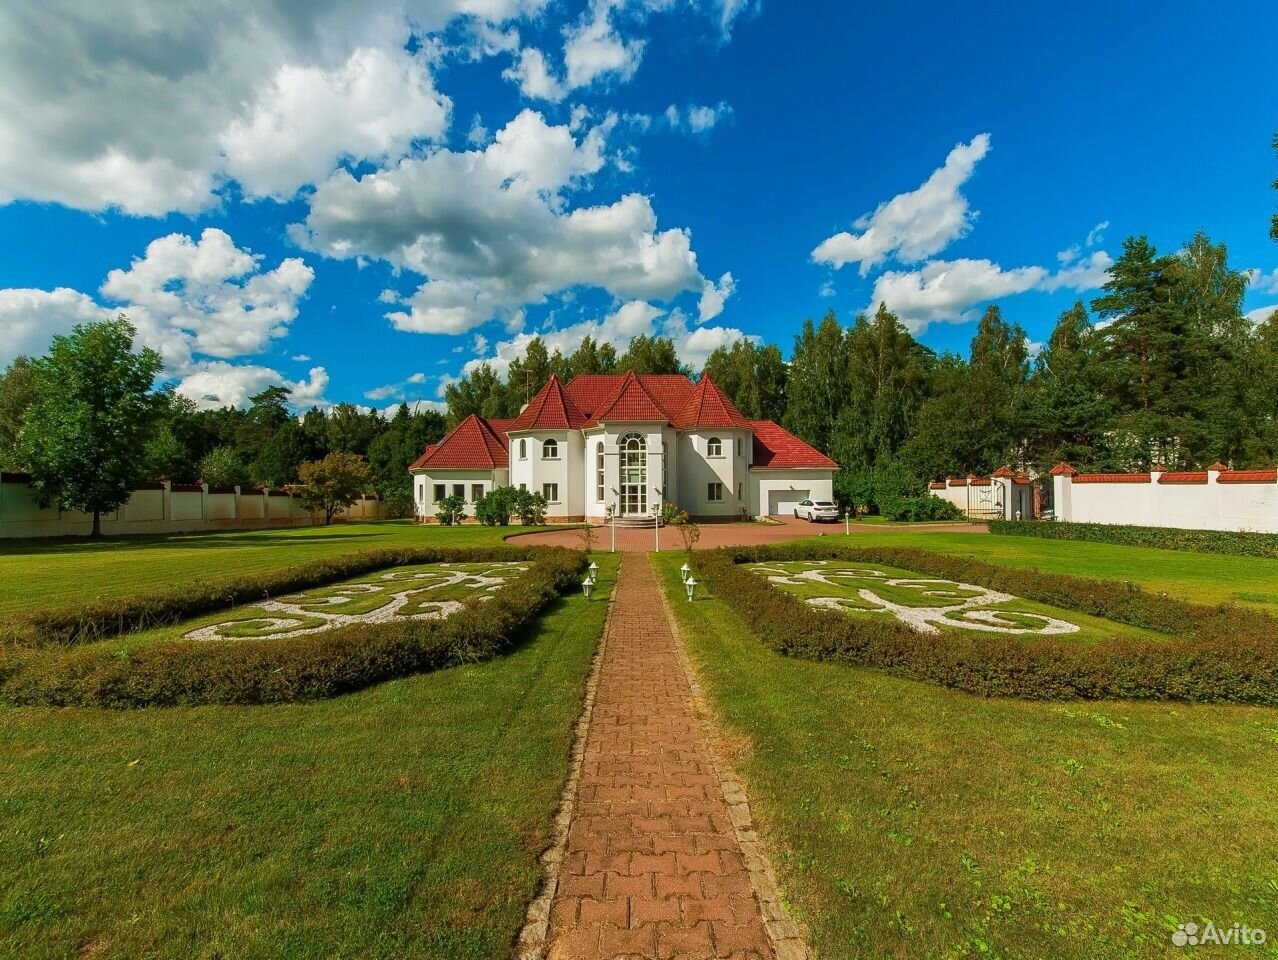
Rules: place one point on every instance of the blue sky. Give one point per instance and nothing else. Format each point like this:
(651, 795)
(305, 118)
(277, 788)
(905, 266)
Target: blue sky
(358, 202)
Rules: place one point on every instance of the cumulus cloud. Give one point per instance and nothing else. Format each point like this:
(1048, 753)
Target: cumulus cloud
(533, 75)
(150, 108)
(218, 383)
(490, 232)
(915, 225)
(1261, 314)
(697, 118)
(631, 319)
(1261, 282)
(714, 296)
(198, 303)
(595, 49)
(951, 291)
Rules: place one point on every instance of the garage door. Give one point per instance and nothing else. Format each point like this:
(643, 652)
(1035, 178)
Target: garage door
(784, 502)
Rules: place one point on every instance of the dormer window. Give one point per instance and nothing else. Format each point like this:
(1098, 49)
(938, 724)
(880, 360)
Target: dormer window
(714, 447)
(550, 450)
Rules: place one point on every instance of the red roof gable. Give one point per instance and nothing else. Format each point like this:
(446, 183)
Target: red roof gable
(590, 391)
(776, 448)
(472, 445)
(708, 407)
(629, 402)
(551, 409)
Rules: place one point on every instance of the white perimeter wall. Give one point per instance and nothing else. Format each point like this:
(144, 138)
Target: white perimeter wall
(153, 511)
(1201, 506)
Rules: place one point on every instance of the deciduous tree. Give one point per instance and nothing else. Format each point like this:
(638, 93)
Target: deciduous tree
(334, 483)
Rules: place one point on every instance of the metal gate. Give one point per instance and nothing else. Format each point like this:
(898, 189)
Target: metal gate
(985, 500)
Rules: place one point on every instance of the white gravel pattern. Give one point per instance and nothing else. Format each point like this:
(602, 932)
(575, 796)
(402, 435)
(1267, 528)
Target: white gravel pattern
(294, 605)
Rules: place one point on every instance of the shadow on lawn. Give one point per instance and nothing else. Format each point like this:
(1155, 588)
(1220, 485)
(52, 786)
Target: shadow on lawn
(185, 541)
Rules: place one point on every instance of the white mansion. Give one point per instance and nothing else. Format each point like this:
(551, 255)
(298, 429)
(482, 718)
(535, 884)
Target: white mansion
(631, 443)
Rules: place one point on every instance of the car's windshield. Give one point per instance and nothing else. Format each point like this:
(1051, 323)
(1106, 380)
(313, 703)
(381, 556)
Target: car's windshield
(824, 503)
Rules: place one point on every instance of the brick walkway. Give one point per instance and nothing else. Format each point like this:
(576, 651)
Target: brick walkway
(653, 867)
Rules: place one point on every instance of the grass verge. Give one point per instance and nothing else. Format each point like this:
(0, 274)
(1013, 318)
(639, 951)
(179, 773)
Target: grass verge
(910, 821)
(400, 822)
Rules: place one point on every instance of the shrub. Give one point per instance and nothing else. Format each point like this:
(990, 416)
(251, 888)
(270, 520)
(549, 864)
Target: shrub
(921, 508)
(300, 668)
(1165, 538)
(450, 510)
(496, 507)
(1212, 654)
(531, 508)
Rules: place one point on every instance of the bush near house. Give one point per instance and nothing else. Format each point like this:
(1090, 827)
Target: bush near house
(451, 510)
(1212, 654)
(1165, 538)
(917, 509)
(271, 671)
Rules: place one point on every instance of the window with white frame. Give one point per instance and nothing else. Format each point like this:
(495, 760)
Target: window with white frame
(714, 492)
(550, 450)
(738, 490)
(738, 446)
(440, 492)
(523, 448)
(476, 492)
(551, 492)
(459, 491)
(714, 447)
(599, 472)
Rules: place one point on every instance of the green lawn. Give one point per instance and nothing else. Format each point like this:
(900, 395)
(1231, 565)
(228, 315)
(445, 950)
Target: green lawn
(53, 573)
(912, 821)
(403, 821)
(1200, 577)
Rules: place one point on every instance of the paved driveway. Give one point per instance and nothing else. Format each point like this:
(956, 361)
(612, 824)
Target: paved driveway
(724, 534)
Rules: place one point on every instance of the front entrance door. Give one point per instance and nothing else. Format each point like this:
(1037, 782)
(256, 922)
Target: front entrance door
(633, 485)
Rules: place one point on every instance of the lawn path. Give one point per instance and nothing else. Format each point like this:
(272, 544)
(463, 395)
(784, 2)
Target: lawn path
(653, 865)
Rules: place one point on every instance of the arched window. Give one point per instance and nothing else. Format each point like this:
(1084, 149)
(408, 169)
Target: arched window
(550, 450)
(523, 449)
(714, 447)
(599, 472)
(633, 467)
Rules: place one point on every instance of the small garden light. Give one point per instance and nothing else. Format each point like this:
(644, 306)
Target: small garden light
(685, 572)
(594, 571)
(586, 586)
(690, 584)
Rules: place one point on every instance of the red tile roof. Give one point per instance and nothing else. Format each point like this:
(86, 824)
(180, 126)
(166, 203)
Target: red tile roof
(707, 406)
(1063, 470)
(776, 448)
(631, 401)
(472, 445)
(1184, 476)
(551, 409)
(1248, 476)
(1111, 478)
(590, 391)
(1003, 472)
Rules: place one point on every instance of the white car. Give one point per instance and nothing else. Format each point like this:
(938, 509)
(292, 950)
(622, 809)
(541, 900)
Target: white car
(814, 510)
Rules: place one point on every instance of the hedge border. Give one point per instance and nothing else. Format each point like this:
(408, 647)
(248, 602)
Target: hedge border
(1227, 542)
(315, 667)
(1212, 654)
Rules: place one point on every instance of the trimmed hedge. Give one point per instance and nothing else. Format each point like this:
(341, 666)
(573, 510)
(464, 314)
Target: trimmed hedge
(313, 667)
(1212, 654)
(108, 617)
(1163, 538)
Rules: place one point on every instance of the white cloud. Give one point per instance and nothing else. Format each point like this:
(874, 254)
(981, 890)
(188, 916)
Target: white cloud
(714, 296)
(372, 107)
(218, 383)
(826, 289)
(489, 230)
(730, 10)
(1260, 282)
(1097, 233)
(477, 136)
(149, 107)
(594, 49)
(915, 225)
(31, 318)
(190, 300)
(950, 291)
(631, 319)
(697, 118)
(301, 358)
(1261, 314)
(533, 75)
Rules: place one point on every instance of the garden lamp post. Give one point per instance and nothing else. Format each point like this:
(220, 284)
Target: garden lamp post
(586, 586)
(690, 585)
(594, 571)
(685, 572)
(847, 524)
(611, 517)
(656, 528)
